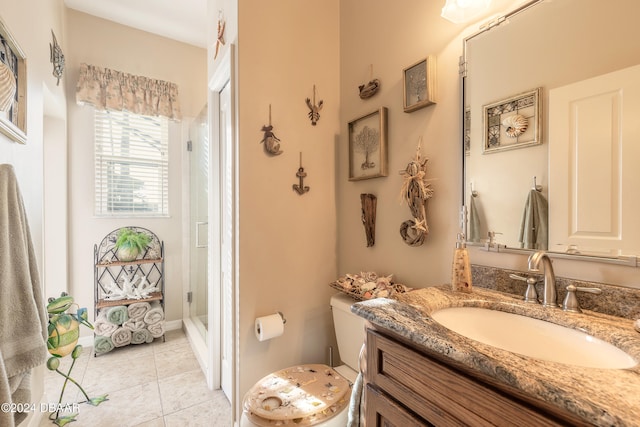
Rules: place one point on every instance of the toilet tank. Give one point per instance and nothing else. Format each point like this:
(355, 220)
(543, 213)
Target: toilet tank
(349, 329)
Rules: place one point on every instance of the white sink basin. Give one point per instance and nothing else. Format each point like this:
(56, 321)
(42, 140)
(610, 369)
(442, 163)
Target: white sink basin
(533, 338)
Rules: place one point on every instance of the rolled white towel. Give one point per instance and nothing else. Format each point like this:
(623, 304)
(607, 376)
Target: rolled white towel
(134, 324)
(102, 326)
(141, 336)
(137, 310)
(121, 337)
(154, 315)
(156, 329)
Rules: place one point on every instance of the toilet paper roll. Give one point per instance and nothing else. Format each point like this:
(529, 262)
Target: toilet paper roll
(268, 327)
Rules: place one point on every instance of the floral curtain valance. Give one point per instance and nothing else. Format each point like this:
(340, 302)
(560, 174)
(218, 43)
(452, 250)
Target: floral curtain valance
(108, 89)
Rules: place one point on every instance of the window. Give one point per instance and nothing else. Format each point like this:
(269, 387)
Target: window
(131, 164)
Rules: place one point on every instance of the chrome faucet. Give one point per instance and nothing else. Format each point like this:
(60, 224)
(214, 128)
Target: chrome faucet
(550, 295)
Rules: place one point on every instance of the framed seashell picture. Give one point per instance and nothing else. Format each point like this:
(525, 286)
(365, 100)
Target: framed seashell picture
(13, 87)
(512, 123)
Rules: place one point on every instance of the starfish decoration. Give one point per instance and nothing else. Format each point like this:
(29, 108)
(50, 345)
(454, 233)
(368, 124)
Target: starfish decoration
(420, 224)
(220, 40)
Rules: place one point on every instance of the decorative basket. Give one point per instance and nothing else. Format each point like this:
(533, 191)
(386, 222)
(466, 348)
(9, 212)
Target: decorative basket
(368, 285)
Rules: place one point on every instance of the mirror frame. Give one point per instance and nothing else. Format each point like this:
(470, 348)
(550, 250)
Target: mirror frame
(630, 261)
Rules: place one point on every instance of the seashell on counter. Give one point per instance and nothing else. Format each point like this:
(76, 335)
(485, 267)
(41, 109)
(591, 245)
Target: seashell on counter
(515, 125)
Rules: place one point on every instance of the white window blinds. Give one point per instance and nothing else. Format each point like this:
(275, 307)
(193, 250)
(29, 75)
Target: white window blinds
(131, 164)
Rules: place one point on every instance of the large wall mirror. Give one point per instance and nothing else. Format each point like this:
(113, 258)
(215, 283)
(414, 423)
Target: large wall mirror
(552, 106)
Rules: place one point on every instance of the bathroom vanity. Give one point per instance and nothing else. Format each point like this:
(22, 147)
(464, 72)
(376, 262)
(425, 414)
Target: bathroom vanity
(419, 372)
(439, 394)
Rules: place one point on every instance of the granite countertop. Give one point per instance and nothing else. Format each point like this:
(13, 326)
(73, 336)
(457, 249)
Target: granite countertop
(604, 397)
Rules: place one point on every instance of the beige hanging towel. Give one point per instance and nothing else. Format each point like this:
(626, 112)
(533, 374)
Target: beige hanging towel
(23, 316)
(534, 229)
(107, 89)
(474, 221)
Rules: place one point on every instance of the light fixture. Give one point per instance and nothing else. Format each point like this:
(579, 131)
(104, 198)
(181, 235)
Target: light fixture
(459, 11)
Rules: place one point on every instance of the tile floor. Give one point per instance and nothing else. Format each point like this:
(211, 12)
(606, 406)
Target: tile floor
(148, 385)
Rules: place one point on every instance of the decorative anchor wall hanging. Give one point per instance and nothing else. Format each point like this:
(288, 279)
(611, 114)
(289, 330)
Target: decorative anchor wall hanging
(270, 141)
(371, 88)
(301, 174)
(314, 109)
(415, 191)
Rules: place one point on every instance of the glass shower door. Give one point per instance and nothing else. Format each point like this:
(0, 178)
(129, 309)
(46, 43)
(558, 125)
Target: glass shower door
(198, 222)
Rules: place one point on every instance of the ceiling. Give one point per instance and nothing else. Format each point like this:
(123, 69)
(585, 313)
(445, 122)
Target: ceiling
(183, 20)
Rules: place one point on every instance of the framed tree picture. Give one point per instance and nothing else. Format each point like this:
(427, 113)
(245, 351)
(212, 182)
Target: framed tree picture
(13, 87)
(368, 146)
(419, 84)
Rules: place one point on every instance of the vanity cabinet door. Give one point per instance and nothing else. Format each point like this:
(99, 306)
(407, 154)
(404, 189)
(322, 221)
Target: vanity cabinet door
(438, 393)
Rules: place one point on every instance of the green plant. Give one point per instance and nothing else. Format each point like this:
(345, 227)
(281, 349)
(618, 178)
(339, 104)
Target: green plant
(128, 238)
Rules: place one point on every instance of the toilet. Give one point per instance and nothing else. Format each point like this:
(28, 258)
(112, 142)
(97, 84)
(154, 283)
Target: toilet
(310, 395)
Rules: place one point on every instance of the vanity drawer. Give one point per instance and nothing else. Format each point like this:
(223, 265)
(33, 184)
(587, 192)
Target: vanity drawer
(386, 412)
(440, 394)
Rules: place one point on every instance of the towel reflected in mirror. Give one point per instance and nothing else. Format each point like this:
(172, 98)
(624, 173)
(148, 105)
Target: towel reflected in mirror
(534, 229)
(473, 228)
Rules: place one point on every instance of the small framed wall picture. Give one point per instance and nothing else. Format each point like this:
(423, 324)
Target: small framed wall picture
(368, 146)
(419, 84)
(512, 123)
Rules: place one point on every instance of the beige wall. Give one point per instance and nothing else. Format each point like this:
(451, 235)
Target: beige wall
(287, 252)
(104, 43)
(33, 35)
(287, 242)
(391, 39)
(45, 100)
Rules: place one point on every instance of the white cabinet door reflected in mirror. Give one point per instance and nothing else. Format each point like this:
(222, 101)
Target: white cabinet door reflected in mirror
(594, 128)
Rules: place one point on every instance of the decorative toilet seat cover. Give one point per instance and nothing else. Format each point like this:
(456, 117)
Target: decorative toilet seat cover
(301, 395)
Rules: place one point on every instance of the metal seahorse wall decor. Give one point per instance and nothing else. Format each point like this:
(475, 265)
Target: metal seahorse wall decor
(300, 188)
(314, 109)
(270, 140)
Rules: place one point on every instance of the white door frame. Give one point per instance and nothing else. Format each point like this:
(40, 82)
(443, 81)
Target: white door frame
(223, 75)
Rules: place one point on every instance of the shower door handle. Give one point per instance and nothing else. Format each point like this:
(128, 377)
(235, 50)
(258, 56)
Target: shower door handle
(198, 244)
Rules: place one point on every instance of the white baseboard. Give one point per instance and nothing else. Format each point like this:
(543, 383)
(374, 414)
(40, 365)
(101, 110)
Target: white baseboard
(86, 341)
(170, 325)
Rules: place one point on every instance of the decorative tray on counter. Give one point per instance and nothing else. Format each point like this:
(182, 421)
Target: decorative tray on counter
(368, 285)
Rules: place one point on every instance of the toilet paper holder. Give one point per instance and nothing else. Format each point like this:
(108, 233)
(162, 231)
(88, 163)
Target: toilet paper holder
(284, 321)
(282, 315)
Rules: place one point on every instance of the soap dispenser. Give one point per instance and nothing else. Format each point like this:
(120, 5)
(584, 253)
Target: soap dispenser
(461, 270)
